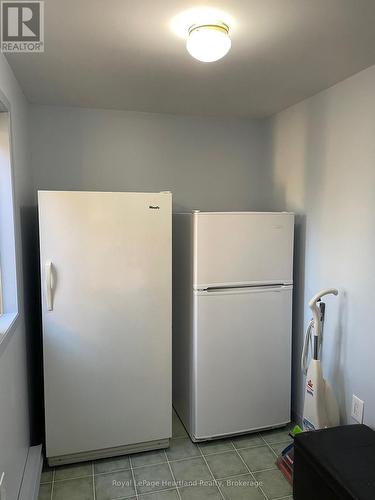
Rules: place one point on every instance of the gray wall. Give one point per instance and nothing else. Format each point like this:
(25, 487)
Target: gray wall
(208, 164)
(14, 417)
(322, 159)
(316, 158)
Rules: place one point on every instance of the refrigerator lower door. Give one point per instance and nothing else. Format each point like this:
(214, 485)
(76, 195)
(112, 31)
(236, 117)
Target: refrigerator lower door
(242, 360)
(106, 307)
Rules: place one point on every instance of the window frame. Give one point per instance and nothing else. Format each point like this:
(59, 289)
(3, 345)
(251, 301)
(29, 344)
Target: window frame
(9, 285)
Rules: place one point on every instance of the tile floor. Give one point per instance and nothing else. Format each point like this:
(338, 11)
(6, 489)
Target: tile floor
(241, 468)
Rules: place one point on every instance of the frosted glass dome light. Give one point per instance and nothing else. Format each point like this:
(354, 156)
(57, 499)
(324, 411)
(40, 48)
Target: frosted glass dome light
(208, 42)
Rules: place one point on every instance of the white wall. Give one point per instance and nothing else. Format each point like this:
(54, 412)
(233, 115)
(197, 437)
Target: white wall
(322, 159)
(14, 419)
(208, 164)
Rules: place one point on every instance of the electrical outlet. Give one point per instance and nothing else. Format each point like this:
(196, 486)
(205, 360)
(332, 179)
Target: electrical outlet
(2, 487)
(357, 409)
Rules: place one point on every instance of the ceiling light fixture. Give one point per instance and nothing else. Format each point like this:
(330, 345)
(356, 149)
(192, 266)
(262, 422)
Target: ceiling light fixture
(208, 42)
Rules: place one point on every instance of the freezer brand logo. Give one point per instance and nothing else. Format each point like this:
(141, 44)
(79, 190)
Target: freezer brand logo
(22, 26)
(310, 388)
(154, 207)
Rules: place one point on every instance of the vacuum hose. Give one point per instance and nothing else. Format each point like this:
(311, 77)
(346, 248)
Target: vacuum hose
(315, 323)
(306, 345)
(313, 304)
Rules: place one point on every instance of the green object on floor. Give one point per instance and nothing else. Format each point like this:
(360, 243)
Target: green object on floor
(296, 430)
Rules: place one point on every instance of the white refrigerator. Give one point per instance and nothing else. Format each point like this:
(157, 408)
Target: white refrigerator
(106, 308)
(232, 321)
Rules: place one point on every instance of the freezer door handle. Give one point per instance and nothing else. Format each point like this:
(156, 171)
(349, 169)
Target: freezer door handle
(49, 284)
(242, 289)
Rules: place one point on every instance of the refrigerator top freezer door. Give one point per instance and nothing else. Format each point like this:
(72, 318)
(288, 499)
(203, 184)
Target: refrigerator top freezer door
(242, 248)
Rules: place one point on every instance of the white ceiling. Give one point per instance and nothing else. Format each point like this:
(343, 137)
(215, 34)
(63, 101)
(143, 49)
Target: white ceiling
(123, 54)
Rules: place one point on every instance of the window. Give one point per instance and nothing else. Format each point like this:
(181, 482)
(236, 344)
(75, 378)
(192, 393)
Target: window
(8, 277)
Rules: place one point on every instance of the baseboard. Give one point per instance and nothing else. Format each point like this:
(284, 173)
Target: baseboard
(31, 476)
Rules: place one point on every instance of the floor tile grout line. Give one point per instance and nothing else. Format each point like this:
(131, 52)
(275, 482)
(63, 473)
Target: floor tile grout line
(71, 478)
(245, 473)
(53, 483)
(277, 442)
(133, 477)
(123, 498)
(247, 468)
(232, 476)
(250, 472)
(213, 477)
(172, 488)
(93, 480)
(248, 447)
(270, 447)
(173, 476)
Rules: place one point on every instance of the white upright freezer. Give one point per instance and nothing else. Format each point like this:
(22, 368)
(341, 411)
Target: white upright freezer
(106, 307)
(232, 321)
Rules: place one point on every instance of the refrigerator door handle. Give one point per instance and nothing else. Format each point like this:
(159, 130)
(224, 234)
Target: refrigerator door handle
(49, 285)
(242, 289)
